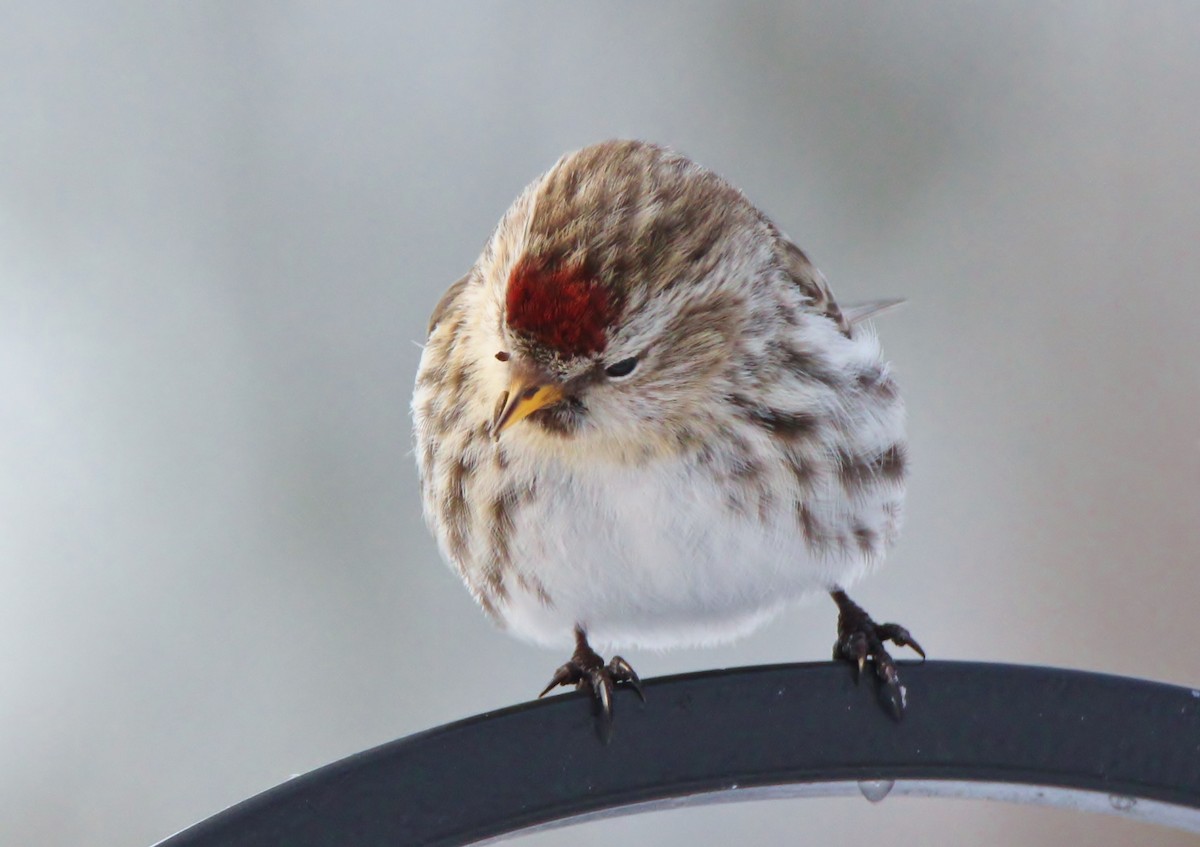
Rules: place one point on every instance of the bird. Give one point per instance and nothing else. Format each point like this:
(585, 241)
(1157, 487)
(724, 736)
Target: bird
(642, 421)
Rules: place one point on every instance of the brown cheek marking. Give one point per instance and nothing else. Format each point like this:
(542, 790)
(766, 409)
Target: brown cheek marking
(562, 419)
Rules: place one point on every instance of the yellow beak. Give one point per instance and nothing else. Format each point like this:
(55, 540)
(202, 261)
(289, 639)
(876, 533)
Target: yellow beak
(523, 400)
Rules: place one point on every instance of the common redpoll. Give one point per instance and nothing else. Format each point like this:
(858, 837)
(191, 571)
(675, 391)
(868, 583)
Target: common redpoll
(643, 421)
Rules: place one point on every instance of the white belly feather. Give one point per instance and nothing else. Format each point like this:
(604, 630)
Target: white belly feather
(655, 558)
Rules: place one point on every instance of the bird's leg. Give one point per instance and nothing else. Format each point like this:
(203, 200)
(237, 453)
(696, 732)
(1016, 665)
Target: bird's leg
(860, 638)
(586, 670)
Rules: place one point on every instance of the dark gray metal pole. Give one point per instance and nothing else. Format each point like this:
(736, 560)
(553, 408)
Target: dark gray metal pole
(751, 728)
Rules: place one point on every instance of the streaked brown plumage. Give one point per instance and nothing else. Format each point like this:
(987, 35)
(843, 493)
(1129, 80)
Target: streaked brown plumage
(642, 419)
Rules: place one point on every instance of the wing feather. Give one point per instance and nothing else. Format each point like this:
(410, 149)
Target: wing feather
(443, 306)
(858, 312)
(812, 284)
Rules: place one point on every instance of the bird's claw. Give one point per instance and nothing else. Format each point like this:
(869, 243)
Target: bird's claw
(621, 671)
(598, 677)
(860, 639)
(587, 671)
(899, 636)
(568, 674)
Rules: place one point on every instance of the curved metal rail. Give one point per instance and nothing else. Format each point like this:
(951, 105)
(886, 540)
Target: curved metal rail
(1019, 733)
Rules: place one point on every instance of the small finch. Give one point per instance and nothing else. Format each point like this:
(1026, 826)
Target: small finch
(642, 420)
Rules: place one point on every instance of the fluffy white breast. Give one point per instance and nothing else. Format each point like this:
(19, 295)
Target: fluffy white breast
(656, 557)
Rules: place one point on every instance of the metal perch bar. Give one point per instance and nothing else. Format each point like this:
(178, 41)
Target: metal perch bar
(1024, 734)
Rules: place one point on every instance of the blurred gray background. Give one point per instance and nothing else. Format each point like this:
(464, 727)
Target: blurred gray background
(223, 226)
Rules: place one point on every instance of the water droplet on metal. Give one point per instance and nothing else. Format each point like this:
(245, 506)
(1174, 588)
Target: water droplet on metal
(876, 789)
(1121, 803)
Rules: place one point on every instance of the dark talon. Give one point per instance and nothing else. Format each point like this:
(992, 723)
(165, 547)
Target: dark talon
(586, 670)
(860, 638)
(899, 636)
(853, 648)
(622, 671)
(602, 689)
(565, 675)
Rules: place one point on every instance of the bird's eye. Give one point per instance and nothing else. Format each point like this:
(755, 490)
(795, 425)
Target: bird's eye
(502, 356)
(622, 368)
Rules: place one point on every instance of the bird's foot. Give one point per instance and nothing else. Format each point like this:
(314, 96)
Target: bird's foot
(587, 671)
(860, 639)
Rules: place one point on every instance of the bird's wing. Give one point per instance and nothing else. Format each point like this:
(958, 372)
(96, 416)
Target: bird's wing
(859, 312)
(443, 306)
(814, 287)
(811, 283)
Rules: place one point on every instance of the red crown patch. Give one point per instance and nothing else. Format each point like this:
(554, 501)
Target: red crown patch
(559, 306)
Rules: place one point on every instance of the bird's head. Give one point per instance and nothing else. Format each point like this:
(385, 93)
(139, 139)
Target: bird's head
(623, 279)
